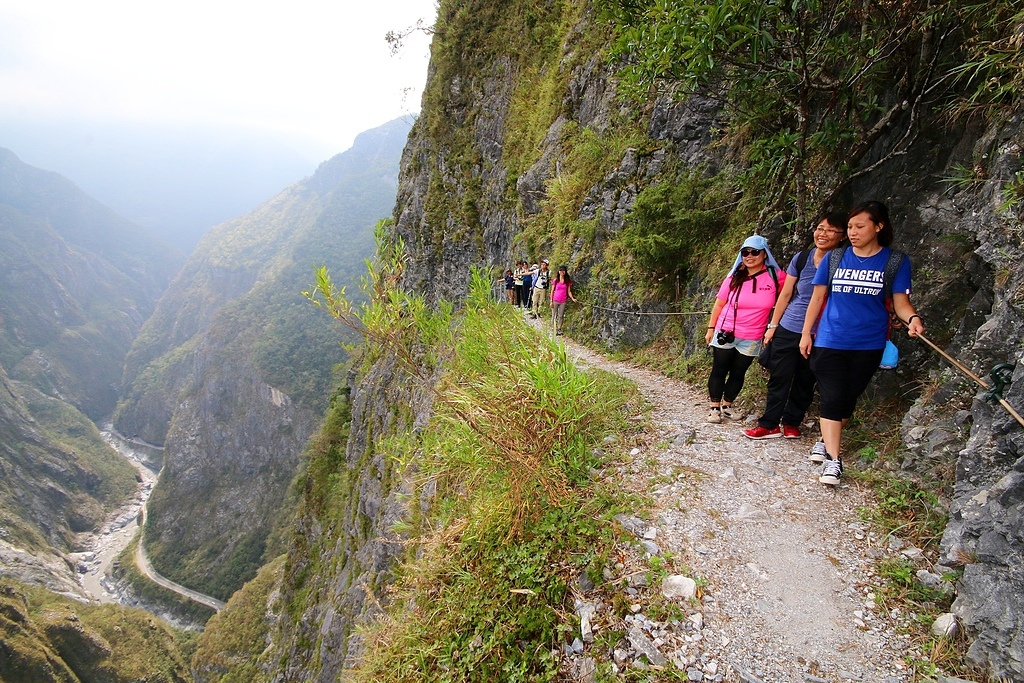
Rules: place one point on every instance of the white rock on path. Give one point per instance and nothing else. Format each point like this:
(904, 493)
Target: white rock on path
(678, 586)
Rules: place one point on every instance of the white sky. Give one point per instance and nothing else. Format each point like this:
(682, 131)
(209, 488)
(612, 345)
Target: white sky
(307, 68)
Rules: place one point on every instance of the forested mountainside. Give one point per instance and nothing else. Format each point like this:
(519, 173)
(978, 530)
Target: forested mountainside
(76, 283)
(233, 371)
(638, 143)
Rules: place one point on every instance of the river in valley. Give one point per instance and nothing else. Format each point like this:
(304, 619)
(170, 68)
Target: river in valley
(121, 526)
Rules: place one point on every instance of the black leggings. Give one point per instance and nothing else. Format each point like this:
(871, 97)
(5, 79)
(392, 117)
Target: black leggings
(791, 384)
(728, 369)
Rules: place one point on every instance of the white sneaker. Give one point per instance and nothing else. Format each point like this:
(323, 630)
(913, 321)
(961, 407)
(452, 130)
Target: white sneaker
(818, 452)
(715, 416)
(831, 472)
(732, 413)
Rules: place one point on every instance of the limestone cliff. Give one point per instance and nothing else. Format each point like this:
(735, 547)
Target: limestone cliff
(523, 145)
(233, 371)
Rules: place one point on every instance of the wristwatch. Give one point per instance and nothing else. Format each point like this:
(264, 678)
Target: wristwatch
(771, 326)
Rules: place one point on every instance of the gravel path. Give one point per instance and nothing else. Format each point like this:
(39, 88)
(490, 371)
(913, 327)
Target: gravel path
(787, 562)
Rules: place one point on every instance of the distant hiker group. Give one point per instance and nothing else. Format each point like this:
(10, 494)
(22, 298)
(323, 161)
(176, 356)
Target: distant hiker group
(826, 320)
(529, 287)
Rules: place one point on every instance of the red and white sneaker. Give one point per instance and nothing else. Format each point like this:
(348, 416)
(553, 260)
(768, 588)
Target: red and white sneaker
(760, 432)
(791, 432)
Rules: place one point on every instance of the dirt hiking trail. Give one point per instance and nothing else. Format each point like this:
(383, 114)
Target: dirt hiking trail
(789, 565)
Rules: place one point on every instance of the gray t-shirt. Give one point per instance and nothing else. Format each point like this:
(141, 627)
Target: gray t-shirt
(793, 318)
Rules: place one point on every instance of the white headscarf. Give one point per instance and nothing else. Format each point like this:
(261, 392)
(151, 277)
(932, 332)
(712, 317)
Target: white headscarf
(755, 242)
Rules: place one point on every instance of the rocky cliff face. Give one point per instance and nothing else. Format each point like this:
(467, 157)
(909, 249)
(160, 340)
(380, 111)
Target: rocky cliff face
(344, 547)
(233, 371)
(470, 196)
(985, 534)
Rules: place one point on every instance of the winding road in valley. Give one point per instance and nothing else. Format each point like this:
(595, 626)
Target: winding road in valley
(121, 528)
(144, 565)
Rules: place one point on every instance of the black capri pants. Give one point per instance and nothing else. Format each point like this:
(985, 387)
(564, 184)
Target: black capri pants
(842, 377)
(728, 369)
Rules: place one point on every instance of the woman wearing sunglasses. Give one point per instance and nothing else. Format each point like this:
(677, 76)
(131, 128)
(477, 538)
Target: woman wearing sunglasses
(742, 308)
(854, 324)
(791, 383)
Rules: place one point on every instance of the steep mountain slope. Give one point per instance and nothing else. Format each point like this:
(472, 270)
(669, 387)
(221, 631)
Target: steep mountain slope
(233, 370)
(524, 144)
(77, 283)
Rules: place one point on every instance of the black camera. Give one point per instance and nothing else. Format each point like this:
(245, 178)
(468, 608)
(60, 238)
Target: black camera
(726, 336)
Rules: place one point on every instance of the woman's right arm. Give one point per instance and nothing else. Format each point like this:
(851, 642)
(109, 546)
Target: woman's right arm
(811, 317)
(713, 322)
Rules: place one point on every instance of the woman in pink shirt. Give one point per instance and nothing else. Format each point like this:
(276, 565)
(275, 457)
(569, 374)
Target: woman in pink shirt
(738, 320)
(561, 292)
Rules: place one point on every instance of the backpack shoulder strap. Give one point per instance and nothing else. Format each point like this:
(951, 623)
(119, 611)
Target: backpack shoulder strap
(835, 257)
(801, 260)
(801, 263)
(892, 266)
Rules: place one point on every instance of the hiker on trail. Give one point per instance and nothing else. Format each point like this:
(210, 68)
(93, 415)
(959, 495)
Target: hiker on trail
(510, 285)
(737, 326)
(561, 292)
(854, 326)
(528, 285)
(518, 283)
(541, 280)
(791, 382)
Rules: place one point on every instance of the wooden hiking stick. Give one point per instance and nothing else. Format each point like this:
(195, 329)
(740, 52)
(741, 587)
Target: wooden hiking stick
(961, 368)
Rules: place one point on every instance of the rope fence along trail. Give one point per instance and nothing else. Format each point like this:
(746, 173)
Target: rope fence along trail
(617, 310)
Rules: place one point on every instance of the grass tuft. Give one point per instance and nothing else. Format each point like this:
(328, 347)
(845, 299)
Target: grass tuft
(510, 464)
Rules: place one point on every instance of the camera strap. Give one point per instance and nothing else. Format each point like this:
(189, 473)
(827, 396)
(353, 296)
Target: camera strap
(735, 307)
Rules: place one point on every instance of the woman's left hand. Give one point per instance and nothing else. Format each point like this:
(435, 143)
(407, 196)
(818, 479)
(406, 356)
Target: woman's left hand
(806, 345)
(915, 326)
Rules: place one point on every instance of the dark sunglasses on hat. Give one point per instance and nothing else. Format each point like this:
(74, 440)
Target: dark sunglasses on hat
(748, 251)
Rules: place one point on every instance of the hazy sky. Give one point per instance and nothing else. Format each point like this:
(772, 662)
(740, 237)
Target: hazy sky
(317, 69)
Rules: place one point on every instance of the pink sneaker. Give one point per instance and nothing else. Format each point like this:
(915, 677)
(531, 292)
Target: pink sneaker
(760, 432)
(791, 432)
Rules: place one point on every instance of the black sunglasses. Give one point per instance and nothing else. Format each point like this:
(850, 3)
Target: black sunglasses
(749, 252)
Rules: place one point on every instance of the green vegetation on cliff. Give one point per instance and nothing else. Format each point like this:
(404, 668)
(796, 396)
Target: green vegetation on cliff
(512, 508)
(817, 94)
(59, 476)
(46, 638)
(229, 649)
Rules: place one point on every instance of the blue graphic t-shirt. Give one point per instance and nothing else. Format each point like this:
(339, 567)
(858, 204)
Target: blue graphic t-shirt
(793, 318)
(854, 317)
